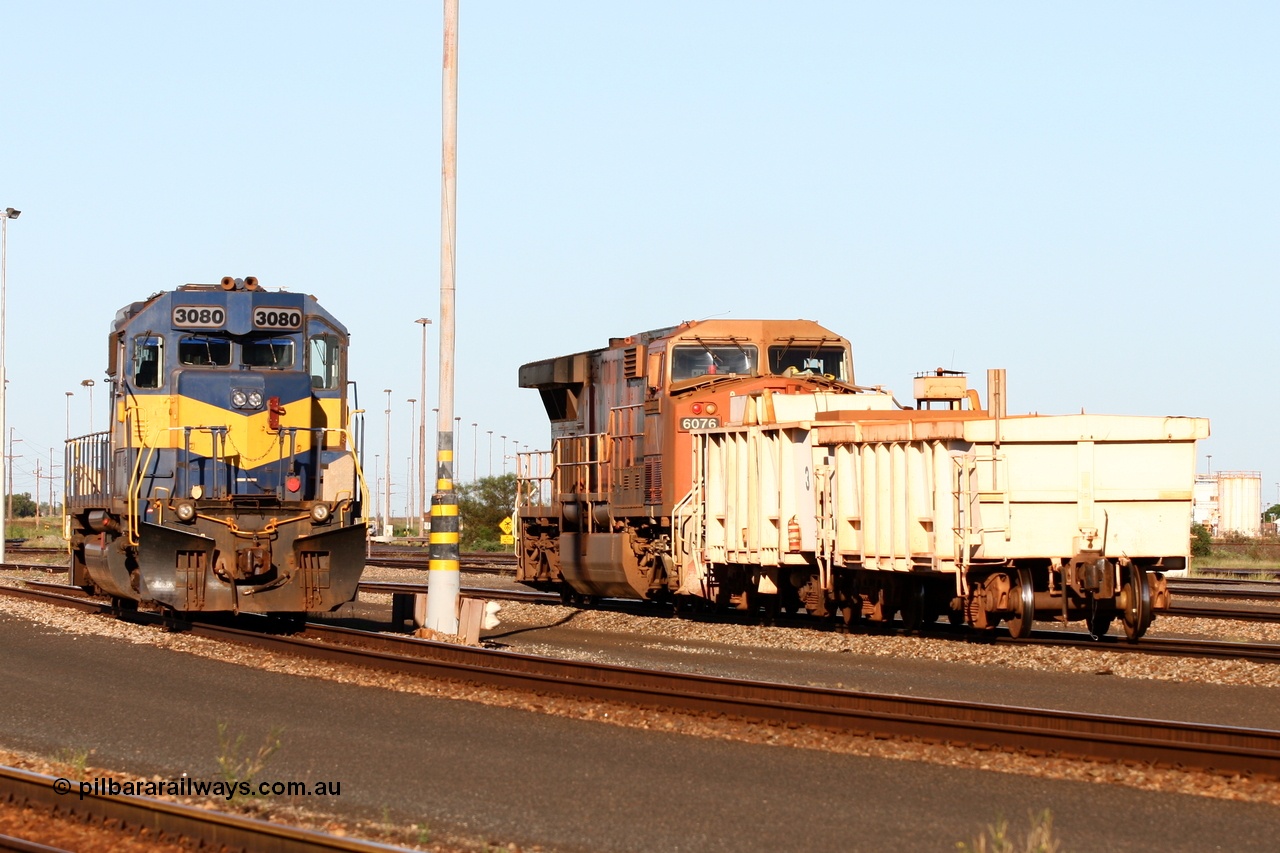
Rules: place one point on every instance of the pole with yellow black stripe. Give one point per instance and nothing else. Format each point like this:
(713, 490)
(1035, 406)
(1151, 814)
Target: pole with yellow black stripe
(442, 579)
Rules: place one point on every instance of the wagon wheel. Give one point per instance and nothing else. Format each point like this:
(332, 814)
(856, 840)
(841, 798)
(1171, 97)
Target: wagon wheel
(1135, 596)
(1022, 598)
(1099, 620)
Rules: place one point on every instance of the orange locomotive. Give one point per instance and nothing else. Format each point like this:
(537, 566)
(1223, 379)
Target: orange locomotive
(596, 521)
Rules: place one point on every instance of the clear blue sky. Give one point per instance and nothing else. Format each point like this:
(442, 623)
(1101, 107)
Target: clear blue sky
(1085, 194)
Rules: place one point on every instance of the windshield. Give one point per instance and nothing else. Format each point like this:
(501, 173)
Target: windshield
(204, 350)
(267, 352)
(703, 360)
(798, 358)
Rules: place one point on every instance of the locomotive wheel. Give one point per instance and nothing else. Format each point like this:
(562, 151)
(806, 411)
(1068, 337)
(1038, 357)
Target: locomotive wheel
(1022, 597)
(1136, 599)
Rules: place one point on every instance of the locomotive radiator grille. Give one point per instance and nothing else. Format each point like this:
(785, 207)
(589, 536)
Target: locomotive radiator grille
(653, 480)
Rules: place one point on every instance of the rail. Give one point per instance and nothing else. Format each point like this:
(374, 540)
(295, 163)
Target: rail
(86, 461)
(534, 473)
(984, 726)
(94, 484)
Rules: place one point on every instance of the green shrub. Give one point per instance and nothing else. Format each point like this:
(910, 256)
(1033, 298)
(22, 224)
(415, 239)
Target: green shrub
(1201, 543)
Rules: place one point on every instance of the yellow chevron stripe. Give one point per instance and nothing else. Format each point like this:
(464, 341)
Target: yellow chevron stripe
(444, 509)
(444, 455)
(443, 566)
(158, 418)
(443, 539)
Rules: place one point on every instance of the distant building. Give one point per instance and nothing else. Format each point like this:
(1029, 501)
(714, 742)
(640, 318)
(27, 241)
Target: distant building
(1228, 502)
(1204, 501)
(1240, 503)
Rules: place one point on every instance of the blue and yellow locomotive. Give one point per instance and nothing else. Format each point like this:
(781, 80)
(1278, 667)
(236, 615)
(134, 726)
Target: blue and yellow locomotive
(229, 479)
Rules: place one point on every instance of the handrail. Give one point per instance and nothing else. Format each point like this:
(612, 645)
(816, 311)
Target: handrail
(134, 494)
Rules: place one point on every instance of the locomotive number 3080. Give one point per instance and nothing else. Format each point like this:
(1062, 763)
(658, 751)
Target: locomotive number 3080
(277, 318)
(198, 315)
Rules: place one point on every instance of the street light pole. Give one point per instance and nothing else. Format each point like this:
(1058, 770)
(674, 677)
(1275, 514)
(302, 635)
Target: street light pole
(490, 452)
(475, 447)
(9, 457)
(386, 505)
(413, 426)
(457, 443)
(422, 436)
(89, 383)
(69, 394)
(9, 213)
(503, 454)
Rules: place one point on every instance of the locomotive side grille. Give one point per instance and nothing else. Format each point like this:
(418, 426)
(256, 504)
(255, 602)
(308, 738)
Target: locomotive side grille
(631, 362)
(653, 480)
(628, 486)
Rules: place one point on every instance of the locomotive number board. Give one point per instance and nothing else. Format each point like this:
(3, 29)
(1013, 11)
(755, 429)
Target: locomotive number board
(699, 423)
(277, 318)
(199, 317)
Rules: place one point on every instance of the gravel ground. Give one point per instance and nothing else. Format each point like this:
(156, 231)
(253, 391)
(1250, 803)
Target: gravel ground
(55, 619)
(1119, 664)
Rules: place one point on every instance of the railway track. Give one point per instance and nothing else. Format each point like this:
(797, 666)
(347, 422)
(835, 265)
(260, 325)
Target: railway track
(158, 819)
(478, 562)
(1186, 648)
(1209, 649)
(1225, 589)
(1072, 734)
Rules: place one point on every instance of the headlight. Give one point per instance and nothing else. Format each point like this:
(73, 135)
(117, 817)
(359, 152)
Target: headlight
(255, 399)
(239, 399)
(185, 510)
(320, 513)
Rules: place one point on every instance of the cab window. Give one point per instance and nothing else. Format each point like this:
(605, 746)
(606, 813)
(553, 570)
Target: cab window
(267, 352)
(203, 350)
(148, 361)
(324, 361)
(792, 358)
(688, 362)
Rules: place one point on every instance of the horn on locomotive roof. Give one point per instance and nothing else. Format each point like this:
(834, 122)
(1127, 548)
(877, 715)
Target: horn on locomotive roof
(228, 283)
(250, 282)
